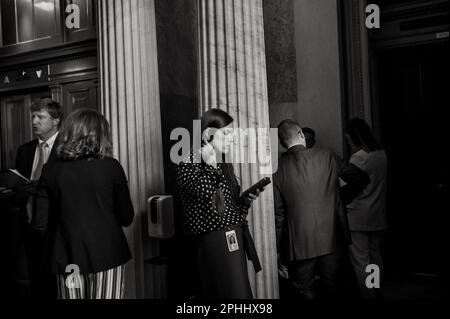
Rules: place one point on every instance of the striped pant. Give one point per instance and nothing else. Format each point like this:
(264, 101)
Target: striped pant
(108, 284)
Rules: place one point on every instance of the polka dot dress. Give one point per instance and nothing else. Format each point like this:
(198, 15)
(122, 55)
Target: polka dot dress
(198, 184)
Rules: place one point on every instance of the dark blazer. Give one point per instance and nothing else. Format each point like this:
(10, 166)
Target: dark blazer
(306, 197)
(25, 158)
(84, 204)
(24, 165)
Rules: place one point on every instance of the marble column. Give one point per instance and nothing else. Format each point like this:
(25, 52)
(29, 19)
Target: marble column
(130, 101)
(232, 76)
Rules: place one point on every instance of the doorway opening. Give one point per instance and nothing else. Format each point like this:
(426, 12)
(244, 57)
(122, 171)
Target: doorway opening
(412, 121)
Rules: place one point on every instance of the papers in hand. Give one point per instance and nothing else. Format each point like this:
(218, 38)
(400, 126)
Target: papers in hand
(12, 179)
(20, 175)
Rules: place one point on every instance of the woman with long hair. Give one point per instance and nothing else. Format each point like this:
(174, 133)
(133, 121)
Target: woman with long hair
(367, 212)
(84, 200)
(214, 210)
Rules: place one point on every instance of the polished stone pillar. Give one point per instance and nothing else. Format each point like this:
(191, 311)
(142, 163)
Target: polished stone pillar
(130, 101)
(232, 71)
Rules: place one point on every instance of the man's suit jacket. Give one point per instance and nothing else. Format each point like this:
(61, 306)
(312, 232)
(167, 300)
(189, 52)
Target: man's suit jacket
(306, 196)
(24, 165)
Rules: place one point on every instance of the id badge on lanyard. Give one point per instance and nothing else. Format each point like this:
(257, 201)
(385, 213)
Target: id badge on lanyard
(232, 241)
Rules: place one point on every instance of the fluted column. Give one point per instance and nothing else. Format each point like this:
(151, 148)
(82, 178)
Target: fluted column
(130, 101)
(232, 76)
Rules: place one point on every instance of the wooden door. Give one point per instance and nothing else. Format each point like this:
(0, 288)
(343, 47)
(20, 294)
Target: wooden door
(16, 122)
(82, 94)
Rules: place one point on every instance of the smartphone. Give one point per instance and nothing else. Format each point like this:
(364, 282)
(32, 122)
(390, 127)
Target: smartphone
(259, 185)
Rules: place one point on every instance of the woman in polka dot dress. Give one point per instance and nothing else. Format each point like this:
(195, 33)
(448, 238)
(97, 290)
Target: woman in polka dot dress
(214, 210)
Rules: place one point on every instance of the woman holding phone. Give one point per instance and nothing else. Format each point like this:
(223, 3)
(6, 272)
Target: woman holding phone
(214, 210)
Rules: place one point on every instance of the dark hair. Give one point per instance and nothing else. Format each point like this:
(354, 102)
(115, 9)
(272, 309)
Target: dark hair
(287, 131)
(85, 134)
(53, 108)
(217, 119)
(361, 135)
(310, 136)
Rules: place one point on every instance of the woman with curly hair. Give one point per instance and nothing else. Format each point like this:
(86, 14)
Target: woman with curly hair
(84, 201)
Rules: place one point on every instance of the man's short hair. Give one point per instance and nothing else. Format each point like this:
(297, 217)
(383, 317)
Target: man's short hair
(52, 107)
(287, 131)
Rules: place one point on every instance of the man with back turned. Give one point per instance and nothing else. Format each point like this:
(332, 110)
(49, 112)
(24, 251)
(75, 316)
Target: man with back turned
(306, 193)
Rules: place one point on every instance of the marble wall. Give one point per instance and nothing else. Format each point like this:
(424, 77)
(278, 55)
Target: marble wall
(279, 34)
(317, 101)
(176, 30)
(176, 22)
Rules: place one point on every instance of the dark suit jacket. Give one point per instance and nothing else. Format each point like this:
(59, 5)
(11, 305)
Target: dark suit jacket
(306, 196)
(25, 158)
(84, 204)
(24, 164)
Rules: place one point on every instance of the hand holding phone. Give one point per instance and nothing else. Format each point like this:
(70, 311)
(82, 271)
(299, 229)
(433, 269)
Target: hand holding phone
(259, 186)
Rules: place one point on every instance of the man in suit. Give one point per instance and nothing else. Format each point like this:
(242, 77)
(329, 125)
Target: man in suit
(31, 157)
(307, 219)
